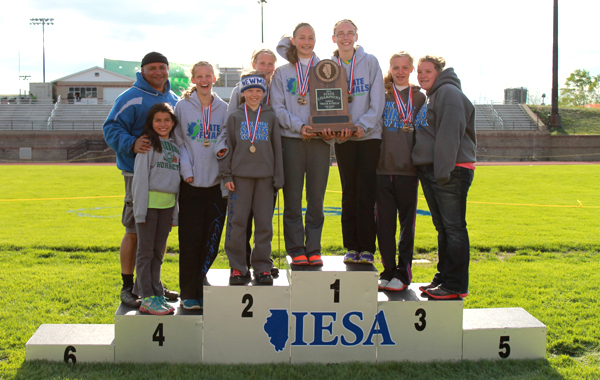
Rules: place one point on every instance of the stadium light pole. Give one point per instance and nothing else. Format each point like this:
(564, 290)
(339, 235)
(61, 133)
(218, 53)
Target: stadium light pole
(554, 118)
(262, 31)
(43, 22)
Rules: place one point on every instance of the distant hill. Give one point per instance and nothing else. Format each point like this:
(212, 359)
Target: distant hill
(575, 120)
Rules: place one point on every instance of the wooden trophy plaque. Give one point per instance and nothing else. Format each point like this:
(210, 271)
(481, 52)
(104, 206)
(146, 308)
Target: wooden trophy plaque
(329, 98)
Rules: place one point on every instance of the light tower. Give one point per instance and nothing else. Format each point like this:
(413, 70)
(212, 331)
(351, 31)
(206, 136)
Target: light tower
(43, 22)
(262, 32)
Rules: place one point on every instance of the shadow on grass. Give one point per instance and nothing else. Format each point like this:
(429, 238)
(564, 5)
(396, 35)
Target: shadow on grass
(518, 369)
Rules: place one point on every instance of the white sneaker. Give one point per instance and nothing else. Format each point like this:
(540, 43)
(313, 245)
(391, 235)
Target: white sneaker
(383, 283)
(395, 285)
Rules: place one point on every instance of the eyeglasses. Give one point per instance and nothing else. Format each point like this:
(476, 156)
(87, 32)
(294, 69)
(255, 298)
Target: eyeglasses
(349, 35)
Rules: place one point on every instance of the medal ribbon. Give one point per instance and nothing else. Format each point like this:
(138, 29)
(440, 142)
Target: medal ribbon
(406, 110)
(303, 77)
(268, 94)
(351, 84)
(255, 124)
(206, 120)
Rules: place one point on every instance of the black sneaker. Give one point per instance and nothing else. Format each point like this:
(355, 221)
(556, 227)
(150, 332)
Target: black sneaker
(430, 286)
(440, 293)
(171, 295)
(275, 272)
(130, 299)
(237, 278)
(263, 278)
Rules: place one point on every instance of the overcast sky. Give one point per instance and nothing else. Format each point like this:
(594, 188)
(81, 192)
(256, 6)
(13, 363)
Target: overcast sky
(492, 45)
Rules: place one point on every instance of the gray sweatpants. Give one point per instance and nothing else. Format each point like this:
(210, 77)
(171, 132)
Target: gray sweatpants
(256, 195)
(152, 237)
(300, 158)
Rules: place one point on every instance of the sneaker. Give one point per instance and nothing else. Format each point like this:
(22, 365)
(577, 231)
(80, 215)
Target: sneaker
(395, 285)
(430, 286)
(164, 302)
(263, 278)
(382, 283)
(191, 304)
(152, 305)
(464, 295)
(237, 278)
(366, 258)
(351, 257)
(300, 260)
(275, 272)
(440, 293)
(130, 299)
(171, 295)
(315, 260)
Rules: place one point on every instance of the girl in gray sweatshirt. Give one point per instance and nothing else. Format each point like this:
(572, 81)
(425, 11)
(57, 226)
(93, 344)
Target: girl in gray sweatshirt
(358, 153)
(202, 115)
(155, 187)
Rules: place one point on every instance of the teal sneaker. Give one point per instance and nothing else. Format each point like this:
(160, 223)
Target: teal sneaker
(152, 305)
(163, 301)
(191, 304)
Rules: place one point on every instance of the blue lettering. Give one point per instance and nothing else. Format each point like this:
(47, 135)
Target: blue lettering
(299, 328)
(355, 329)
(319, 328)
(383, 330)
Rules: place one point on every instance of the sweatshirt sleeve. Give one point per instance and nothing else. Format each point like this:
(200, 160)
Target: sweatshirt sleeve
(141, 177)
(286, 119)
(225, 162)
(450, 128)
(185, 163)
(222, 141)
(119, 123)
(368, 121)
(278, 155)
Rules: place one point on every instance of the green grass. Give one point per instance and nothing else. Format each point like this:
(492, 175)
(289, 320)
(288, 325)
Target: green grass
(60, 266)
(575, 120)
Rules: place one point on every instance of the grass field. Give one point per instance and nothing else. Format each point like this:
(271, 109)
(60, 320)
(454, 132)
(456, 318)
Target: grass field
(575, 120)
(534, 236)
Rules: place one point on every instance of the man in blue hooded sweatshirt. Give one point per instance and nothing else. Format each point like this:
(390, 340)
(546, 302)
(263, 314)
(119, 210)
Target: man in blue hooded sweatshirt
(122, 130)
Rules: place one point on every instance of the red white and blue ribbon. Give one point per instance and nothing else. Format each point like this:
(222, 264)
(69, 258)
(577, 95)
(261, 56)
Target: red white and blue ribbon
(206, 120)
(252, 134)
(351, 84)
(303, 76)
(404, 110)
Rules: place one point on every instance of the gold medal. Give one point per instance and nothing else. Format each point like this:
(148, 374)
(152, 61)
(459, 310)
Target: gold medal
(206, 143)
(302, 101)
(406, 128)
(252, 149)
(350, 98)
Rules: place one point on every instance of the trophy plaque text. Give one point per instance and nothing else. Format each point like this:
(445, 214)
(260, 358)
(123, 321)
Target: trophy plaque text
(329, 98)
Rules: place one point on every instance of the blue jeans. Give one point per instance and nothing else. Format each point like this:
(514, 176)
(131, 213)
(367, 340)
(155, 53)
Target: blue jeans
(448, 206)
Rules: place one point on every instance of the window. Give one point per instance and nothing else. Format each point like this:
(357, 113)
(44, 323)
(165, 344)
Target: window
(82, 92)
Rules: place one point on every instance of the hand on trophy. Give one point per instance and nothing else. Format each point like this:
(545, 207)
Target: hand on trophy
(306, 135)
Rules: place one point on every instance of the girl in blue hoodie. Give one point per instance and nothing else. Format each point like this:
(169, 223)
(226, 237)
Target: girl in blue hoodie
(358, 153)
(202, 115)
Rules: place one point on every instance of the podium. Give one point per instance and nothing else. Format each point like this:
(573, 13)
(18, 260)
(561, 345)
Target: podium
(328, 314)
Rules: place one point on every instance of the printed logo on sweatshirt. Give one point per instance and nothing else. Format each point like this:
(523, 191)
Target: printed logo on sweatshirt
(421, 119)
(292, 86)
(195, 131)
(170, 157)
(391, 121)
(262, 134)
(360, 87)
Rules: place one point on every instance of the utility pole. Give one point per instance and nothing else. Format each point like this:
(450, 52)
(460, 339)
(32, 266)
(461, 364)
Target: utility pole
(554, 118)
(262, 31)
(43, 22)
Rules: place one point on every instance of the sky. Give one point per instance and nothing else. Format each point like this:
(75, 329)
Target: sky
(491, 45)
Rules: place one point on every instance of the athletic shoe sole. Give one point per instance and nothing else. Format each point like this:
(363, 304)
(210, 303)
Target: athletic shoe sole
(300, 260)
(315, 260)
(443, 295)
(194, 307)
(395, 289)
(154, 312)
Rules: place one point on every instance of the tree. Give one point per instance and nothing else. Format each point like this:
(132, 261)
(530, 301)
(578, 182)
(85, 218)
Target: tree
(580, 88)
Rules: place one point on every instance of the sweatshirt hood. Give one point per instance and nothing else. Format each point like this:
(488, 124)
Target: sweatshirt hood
(284, 43)
(142, 85)
(447, 76)
(195, 101)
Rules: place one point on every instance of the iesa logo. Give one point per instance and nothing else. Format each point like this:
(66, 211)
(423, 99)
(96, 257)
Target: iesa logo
(277, 329)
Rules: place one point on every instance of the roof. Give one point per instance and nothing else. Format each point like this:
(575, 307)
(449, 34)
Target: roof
(89, 75)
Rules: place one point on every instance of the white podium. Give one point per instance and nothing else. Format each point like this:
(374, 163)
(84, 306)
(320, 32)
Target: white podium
(246, 324)
(420, 330)
(72, 343)
(333, 312)
(510, 333)
(145, 338)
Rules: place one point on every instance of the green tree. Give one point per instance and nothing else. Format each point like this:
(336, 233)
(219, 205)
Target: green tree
(580, 88)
